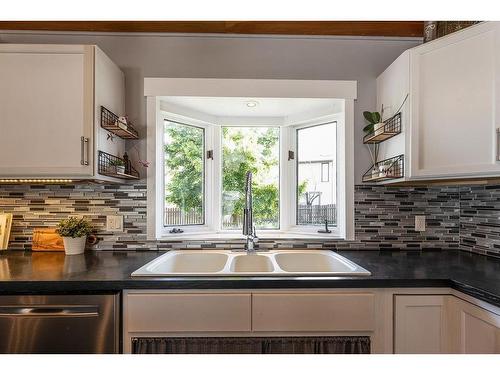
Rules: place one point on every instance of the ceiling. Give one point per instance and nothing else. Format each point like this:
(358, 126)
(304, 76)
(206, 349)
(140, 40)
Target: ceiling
(353, 28)
(265, 107)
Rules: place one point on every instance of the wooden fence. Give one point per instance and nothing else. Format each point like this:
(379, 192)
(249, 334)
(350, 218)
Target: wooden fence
(306, 215)
(316, 215)
(175, 216)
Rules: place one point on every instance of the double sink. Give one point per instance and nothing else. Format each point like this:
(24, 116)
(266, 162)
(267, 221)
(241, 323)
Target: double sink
(269, 263)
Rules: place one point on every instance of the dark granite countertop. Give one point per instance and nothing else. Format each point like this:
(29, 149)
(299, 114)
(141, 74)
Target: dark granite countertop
(103, 271)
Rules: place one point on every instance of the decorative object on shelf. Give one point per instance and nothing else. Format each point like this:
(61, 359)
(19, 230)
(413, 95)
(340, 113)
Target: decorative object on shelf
(47, 239)
(119, 126)
(114, 166)
(5, 227)
(430, 30)
(127, 163)
(144, 163)
(387, 169)
(438, 29)
(74, 232)
(117, 166)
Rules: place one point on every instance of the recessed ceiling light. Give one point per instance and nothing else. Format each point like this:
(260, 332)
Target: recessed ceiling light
(252, 103)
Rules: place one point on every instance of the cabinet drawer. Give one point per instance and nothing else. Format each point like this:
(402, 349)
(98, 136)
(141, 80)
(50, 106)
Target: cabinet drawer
(156, 312)
(313, 312)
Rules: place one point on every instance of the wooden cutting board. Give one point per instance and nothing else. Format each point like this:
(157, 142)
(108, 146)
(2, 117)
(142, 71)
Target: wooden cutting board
(47, 239)
(5, 226)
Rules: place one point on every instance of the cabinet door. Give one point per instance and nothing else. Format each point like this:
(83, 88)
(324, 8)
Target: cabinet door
(479, 329)
(453, 100)
(46, 114)
(323, 312)
(420, 324)
(393, 85)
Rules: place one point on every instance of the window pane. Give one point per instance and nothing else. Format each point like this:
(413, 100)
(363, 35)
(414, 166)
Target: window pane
(316, 175)
(184, 170)
(254, 149)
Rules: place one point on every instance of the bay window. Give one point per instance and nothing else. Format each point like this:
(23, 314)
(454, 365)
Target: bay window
(301, 163)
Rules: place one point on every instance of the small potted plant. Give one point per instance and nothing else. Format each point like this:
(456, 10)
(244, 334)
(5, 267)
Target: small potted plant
(118, 166)
(74, 232)
(375, 124)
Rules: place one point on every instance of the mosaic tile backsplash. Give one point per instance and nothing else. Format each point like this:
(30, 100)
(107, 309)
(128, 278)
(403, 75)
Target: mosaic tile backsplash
(457, 217)
(480, 219)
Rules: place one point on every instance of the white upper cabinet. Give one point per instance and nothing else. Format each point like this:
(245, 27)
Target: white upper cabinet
(393, 85)
(50, 97)
(451, 119)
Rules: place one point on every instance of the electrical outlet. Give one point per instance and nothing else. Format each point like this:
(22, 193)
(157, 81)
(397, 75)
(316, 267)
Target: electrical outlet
(419, 223)
(114, 223)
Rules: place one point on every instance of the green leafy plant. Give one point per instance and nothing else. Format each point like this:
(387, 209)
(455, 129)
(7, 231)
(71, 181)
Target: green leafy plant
(117, 162)
(74, 227)
(372, 118)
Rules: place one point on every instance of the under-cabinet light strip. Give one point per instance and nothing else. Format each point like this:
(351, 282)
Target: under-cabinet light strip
(34, 180)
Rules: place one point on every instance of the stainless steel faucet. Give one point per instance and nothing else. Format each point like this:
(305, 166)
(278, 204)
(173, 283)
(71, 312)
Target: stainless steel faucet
(248, 226)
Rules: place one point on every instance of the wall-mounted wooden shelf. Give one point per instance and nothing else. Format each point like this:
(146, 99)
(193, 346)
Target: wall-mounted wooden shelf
(107, 167)
(388, 169)
(112, 123)
(391, 127)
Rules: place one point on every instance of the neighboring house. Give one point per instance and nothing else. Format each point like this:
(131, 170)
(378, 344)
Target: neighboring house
(321, 185)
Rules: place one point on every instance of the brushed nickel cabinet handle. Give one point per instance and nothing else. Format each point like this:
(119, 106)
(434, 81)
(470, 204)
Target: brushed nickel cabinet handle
(84, 142)
(82, 150)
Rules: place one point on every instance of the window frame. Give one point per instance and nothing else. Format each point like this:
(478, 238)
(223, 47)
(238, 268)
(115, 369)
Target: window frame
(156, 90)
(292, 169)
(218, 151)
(208, 188)
(191, 227)
(287, 181)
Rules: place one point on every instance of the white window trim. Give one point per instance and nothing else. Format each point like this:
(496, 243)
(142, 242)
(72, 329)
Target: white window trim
(155, 88)
(291, 217)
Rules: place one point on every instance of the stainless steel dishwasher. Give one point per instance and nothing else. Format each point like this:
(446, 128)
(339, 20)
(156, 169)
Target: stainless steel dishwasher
(59, 324)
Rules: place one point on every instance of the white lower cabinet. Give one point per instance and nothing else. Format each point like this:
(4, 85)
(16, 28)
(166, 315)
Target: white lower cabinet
(420, 324)
(430, 324)
(156, 313)
(413, 321)
(477, 329)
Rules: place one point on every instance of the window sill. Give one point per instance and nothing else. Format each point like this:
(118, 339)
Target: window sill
(270, 235)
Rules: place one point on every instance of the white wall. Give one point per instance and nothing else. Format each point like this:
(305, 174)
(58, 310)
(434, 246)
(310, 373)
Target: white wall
(210, 56)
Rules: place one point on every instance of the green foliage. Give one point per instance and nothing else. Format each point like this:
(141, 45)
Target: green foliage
(117, 162)
(245, 149)
(372, 118)
(74, 227)
(255, 150)
(302, 188)
(184, 161)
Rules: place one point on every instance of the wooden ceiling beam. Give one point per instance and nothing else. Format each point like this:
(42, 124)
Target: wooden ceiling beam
(342, 28)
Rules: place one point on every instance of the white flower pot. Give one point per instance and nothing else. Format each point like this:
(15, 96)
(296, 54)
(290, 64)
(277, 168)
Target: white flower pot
(74, 246)
(120, 169)
(378, 128)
